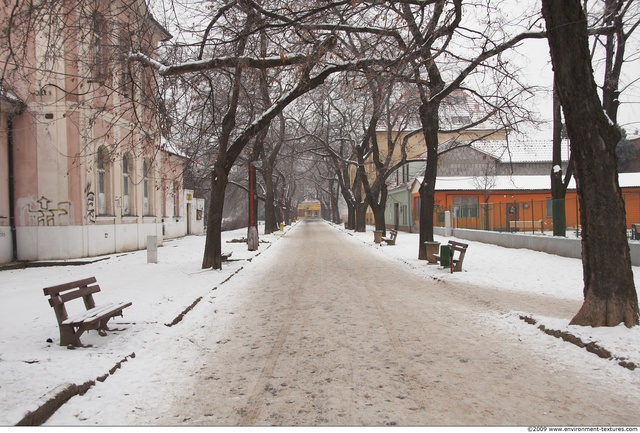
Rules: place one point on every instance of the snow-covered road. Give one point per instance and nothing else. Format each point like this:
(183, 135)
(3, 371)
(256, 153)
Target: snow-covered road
(324, 330)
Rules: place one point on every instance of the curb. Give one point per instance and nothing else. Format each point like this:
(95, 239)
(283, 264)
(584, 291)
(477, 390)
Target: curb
(54, 399)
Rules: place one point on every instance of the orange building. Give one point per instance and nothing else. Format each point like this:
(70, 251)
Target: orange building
(513, 203)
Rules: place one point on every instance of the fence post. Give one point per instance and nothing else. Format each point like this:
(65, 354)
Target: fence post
(533, 219)
(447, 223)
(577, 220)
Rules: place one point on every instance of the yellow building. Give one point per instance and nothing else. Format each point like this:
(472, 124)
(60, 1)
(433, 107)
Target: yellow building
(416, 148)
(458, 110)
(309, 209)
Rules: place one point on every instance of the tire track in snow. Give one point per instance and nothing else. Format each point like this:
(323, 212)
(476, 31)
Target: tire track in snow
(255, 401)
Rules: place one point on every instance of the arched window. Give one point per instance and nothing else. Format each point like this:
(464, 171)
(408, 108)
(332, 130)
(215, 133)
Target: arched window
(98, 36)
(176, 198)
(104, 172)
(147, 190)
(128, 199)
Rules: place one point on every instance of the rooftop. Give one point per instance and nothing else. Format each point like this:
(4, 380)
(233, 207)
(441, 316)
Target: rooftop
(514, 183)
(521, 151)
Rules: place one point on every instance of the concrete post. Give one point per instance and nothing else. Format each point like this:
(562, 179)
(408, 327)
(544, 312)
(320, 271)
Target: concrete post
(253, 240)
(447, 223)
(152, 249)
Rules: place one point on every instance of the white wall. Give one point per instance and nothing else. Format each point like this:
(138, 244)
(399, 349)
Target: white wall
(6, 246)
(71, 242)
(564, 247)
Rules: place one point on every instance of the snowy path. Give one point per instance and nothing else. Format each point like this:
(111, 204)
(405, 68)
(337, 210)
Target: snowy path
(322, 329)
(332, 334)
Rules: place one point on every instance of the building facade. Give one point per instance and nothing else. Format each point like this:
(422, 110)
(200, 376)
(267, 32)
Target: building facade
(482, 165)
(87, 173)
(514, 203)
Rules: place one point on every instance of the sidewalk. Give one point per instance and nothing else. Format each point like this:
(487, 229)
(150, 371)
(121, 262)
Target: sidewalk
(33, 370)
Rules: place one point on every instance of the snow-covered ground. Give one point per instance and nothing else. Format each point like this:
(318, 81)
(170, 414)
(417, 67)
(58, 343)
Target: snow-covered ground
(32, 369)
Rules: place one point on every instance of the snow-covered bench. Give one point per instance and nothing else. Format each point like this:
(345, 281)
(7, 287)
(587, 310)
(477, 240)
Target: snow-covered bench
(391, 240)
(95, 317)
(455, 264)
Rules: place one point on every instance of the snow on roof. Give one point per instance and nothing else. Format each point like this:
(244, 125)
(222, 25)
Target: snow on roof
(521, 151)
(510, 151)
(172, 147)
(514, 183)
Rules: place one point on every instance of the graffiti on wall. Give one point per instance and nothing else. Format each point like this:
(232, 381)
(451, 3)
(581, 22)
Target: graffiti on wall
(40, 213)
(91, 204)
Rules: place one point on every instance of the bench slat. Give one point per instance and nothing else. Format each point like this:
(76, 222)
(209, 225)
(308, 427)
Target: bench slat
(53, 290)
(96, 313)
(65, 297)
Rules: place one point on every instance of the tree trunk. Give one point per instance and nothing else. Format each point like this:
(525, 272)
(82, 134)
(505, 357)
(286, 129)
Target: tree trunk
(287, 212)
(351, 219)
(427, 196)
(609, 291)
(379, 218)
(558, 189)
(361, 217)
(430, 124)
(213, 243)
(377, 201)
(270, 217)
(253, 240)
(335, 211)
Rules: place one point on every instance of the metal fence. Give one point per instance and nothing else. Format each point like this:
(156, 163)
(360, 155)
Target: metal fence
(531, 216)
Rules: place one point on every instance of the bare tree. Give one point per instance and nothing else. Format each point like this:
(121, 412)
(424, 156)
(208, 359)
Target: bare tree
(246, 21)
(609, 293)
(486, 184)
(559, 180)
(611, 25)
(437, 30)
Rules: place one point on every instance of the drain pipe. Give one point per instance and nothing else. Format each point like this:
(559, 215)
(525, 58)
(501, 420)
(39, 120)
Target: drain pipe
(12, 206)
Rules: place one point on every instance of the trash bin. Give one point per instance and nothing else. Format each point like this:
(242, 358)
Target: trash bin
(377, 236)
(445, 256)
(431, 249)
(281, 227)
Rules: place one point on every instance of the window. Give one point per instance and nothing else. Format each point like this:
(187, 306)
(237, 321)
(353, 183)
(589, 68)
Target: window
(405, 173)
(98, 55)
(147, 197)
(461, 120)
(104, 172)
(124, 46)
(549, 207)
(164, 197)
(176, 199)
(465, 207)
(127, 199)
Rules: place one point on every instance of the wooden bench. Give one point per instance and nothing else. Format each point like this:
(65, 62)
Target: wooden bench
(455, 264)
(95, 317)
(391, 240)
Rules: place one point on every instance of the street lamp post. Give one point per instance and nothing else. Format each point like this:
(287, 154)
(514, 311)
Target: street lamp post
(252, 235)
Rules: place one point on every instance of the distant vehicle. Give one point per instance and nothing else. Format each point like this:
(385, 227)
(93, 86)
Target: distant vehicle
(310, 209)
